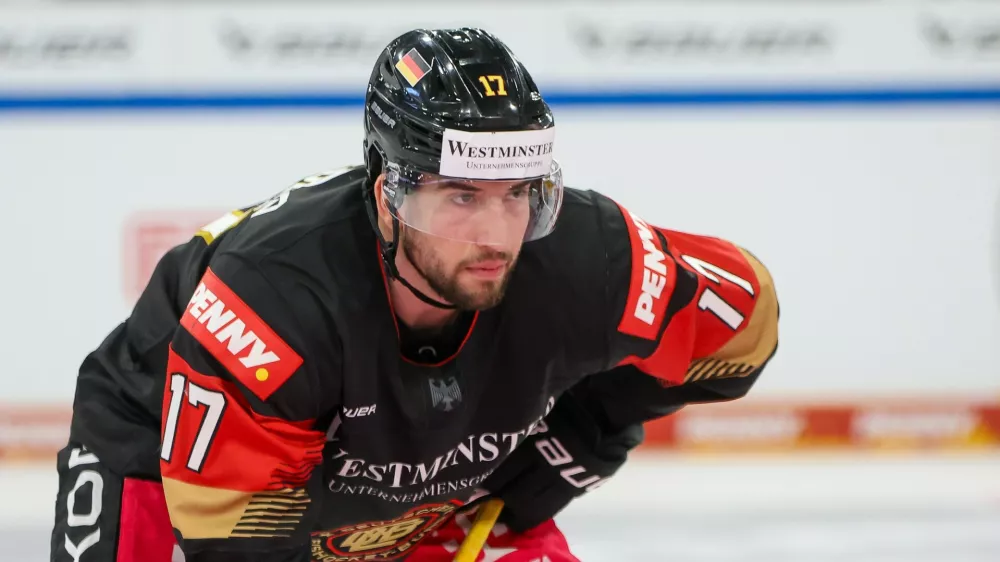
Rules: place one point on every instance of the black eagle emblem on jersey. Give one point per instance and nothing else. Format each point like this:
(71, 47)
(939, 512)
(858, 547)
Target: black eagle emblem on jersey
(445, 393)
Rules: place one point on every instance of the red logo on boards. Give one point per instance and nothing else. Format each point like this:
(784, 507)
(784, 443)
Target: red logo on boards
(149, 235)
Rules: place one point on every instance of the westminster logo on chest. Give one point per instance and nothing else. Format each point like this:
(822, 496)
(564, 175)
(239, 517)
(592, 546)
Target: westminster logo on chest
(411, 466)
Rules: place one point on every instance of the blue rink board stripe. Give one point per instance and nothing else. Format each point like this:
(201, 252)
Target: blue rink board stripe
(979, 94)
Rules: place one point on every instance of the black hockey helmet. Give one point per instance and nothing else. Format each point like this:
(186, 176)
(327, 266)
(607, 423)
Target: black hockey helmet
(449, 106)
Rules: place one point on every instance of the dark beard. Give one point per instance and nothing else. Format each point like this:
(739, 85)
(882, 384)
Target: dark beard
(447, 286)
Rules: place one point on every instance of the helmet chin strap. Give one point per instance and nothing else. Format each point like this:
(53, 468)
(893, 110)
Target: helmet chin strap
(388, 250)
(417, 293)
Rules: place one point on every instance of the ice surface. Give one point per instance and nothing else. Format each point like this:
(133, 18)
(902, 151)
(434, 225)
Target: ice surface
(768, 508)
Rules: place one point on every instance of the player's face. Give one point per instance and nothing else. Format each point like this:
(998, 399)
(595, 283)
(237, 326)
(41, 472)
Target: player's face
(467, 248)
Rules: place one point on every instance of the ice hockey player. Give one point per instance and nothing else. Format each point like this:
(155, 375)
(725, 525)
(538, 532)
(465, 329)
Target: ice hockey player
(334, 373)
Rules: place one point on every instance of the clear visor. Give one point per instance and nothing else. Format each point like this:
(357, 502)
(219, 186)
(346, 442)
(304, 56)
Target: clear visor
(484, 212)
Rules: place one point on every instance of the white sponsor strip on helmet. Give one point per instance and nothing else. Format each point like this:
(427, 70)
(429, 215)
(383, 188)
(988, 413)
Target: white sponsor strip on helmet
(497, 155)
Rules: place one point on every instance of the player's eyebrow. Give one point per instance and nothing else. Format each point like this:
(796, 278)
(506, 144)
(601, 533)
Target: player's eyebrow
(458, 185)
(471, 188)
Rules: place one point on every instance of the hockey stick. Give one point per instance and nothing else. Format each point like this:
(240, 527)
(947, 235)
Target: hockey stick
(481, 527)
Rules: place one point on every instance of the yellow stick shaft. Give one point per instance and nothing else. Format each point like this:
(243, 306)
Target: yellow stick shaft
(481, 527)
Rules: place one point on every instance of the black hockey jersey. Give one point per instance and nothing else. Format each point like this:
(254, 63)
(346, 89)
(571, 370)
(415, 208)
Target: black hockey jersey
(260, 373)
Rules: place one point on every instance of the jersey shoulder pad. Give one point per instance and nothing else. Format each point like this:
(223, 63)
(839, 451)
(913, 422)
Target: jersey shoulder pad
(568, 257)
(680, 297)
(293, 213)
(237, 337)
(257, 321)
(568, 250)
(652, 277)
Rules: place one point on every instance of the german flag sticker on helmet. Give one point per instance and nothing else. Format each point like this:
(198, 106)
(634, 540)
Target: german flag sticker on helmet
(413, 67)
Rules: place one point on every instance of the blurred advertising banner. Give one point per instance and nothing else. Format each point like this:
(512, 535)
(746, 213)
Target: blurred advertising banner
(166, 49)
(36, 433)
(750, 425)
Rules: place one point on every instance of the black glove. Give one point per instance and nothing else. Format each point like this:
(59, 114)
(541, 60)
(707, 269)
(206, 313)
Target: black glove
(568, 455)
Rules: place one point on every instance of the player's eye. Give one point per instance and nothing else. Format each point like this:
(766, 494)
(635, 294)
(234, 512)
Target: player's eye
(517, 192)
(464, 198)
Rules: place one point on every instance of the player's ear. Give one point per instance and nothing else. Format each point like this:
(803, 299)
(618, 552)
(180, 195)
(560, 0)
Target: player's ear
(384, 217)
(382, 206)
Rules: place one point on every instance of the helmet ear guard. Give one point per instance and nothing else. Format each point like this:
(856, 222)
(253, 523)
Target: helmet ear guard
(374, 162)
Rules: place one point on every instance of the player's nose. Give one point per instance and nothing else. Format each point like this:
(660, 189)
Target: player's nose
(493, 225)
